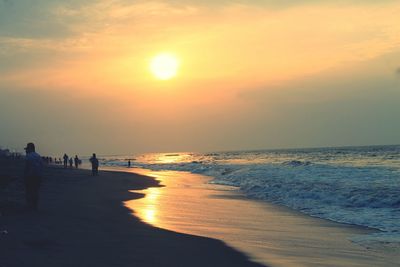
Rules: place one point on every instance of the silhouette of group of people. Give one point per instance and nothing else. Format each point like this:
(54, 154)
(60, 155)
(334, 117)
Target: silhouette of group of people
(34, 168)
(47, 160)
(69, 161)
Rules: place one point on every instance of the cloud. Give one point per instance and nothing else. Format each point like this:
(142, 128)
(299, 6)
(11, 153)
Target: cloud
(30, 19)
(273, 4)
(51, 19)
(61, 18)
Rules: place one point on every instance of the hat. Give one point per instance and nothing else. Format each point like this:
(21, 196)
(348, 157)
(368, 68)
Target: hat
(30, 146)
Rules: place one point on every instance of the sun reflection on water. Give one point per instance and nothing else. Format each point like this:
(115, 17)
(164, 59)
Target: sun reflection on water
(153, 194)
(150, 216)
(171, 158)
(155, 207)
(149, 210)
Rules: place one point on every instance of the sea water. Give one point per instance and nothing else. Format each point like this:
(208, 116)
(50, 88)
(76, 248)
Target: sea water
(354, 185)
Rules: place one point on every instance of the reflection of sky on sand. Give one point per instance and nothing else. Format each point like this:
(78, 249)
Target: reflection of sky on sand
(149, 206)
(178, 208)
(149, 211)
(150, 216)
(272, 235)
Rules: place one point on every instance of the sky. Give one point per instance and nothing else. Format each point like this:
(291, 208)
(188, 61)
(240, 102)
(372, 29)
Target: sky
(75, 76)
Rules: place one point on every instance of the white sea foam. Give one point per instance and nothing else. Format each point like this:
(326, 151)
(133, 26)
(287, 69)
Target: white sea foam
(350, 185)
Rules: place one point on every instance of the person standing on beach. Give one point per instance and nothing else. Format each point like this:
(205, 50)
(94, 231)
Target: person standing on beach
(129, 163)
(76, 160)
(65, 160)
(95, 165)
(32, 176)
(71, 162)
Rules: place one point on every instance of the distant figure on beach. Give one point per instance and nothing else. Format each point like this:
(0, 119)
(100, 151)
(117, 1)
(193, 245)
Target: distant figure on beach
(76, 161)
(71, 162)
(95, 165)
(65, 160)
(32, 176)
(129, 163)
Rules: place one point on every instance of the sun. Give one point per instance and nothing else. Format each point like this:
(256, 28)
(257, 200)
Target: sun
(164, 66)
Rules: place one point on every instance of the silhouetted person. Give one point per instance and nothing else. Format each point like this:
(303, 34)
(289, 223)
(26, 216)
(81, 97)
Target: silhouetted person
(76, 161)
(71, 162)
(32, 176)
(129, 163)
(95, 165)
(65, 160)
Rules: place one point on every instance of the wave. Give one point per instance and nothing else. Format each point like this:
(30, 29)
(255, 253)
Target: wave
(365, 196)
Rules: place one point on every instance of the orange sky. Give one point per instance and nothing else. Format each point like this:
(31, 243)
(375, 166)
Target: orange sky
(244, 69)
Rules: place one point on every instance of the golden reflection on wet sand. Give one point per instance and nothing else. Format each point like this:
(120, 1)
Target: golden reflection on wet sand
(270, 234)
(149, 210)
(163, 208)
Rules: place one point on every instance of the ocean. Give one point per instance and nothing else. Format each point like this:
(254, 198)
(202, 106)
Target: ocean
(353, 185)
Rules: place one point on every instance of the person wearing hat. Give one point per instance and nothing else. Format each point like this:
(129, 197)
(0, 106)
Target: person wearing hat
(33, 176)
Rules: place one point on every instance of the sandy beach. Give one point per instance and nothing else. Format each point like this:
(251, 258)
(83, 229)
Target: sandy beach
(136, 217)
(82, 222)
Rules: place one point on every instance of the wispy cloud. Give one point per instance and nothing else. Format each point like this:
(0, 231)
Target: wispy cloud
(305, 56)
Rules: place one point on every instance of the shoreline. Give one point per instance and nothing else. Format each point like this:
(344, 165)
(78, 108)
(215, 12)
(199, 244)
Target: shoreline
(82, 222)
(271, 234)
(242, 196)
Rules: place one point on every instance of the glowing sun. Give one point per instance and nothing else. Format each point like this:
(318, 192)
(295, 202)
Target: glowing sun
(164, 66)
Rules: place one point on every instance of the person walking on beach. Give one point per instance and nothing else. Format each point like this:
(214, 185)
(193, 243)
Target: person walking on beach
(65, 160)
(129, 163)
(76, 160)
(95, 165)
(32, 176)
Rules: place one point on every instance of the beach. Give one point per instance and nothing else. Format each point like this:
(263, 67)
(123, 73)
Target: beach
(138, 217)
(82, 222)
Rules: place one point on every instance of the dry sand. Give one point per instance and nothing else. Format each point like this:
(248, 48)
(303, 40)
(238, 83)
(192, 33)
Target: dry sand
(82, 222)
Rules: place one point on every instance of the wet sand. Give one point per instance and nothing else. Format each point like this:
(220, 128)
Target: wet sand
(83, 222)
(270, 234)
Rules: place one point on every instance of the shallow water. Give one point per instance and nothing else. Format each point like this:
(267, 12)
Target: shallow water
(355, 185)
